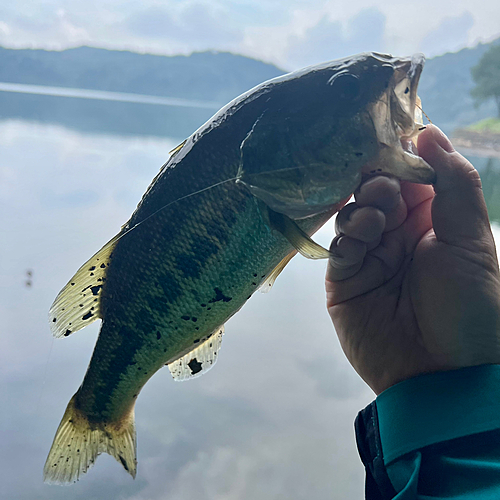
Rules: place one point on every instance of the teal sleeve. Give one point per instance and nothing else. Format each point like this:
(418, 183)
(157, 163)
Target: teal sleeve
(439, 435)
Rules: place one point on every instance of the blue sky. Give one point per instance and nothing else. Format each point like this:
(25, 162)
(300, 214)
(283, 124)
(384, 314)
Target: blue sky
(289, 33)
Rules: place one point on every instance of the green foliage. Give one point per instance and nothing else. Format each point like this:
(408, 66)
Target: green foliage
(445, 88)
(212, 76)
(490, 177)
(491, 125)
(486, 75)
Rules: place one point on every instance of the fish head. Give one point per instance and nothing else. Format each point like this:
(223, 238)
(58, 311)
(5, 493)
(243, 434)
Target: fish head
(323, 129)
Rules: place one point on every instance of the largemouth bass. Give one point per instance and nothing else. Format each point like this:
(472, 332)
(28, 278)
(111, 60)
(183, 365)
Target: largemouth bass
(233, 204)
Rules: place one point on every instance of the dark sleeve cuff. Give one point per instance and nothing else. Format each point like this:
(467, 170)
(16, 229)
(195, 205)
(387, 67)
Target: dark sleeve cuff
(378, 485)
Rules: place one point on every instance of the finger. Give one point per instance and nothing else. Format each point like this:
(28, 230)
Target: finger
(347, 258)
(383, 193)
(459, 212)
(365, 224)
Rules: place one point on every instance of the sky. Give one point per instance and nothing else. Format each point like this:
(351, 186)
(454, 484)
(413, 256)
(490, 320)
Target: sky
(289, 33)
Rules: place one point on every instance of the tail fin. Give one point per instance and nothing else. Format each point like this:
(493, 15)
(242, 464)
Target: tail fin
(79, 442)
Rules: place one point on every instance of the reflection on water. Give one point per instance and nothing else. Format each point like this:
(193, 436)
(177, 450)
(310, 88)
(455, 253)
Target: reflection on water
(105, 116)
(490, 178)
(63, 194)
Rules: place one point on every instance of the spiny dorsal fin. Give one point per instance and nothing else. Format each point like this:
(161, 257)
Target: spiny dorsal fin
(269, 282)
(78, 303)
(177, 148)
(199, 360)
(297, 238)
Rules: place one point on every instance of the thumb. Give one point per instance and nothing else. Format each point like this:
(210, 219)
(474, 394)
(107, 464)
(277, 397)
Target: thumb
(459, 214)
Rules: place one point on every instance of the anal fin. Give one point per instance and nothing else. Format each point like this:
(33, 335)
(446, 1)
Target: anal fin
(198, 361)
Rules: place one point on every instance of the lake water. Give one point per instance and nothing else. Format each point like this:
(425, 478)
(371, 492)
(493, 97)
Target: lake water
(273, 420)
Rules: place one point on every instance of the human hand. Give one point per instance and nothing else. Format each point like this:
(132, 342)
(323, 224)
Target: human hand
(415, 286)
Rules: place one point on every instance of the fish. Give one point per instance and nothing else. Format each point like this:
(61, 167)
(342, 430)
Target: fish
(235, 202)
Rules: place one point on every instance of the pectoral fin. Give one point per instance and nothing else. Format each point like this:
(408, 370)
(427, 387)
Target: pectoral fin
(297, 238)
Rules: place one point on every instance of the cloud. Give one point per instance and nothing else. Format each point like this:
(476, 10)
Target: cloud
(331, 39)
(194, 23)
(450, 35)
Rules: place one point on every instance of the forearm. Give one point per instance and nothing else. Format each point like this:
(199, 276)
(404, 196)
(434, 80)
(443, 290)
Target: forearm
(434, 436)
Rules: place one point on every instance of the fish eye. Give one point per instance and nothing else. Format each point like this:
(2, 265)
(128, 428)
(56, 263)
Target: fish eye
(346, 86)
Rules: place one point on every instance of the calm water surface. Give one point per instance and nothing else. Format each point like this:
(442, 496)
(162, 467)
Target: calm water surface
(273, 420)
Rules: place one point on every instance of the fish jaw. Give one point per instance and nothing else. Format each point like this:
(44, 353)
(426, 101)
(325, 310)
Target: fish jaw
(397, 120)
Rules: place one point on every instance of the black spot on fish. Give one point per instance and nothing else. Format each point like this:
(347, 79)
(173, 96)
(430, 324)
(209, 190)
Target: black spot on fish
(196, 341)
(358, 154)
(186, 318)
(88, 315)
(81, 305)
(92, 268)
(67, 332)
(91, 274)
(102, 266)
(407, 89)
(248, 297)
(194, 319)
(195, 366)
(254, 284)
(209, 308)
(54, 320)
(134, 396)
(203, 305)
(158, 335)
(197, 328)
(95, 289)
(72, 284)
(139, 368)
(254, 275)
(122, 460)
(219, 296)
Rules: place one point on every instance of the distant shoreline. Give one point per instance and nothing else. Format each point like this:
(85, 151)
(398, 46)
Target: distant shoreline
(476, 143)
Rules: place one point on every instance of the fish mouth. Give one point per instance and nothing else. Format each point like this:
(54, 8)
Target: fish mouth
(397, 118)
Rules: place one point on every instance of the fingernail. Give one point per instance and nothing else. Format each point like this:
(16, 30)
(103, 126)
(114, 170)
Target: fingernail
(443, 141)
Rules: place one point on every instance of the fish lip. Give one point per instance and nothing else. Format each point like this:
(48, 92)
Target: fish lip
(394, 118)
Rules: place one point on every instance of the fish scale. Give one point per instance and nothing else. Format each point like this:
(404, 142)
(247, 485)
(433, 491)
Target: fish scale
(225, 214)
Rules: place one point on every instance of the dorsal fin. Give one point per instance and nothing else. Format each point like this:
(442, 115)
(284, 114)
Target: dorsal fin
(177, 148)
(199, 360)
(269, 281)
(78, 303)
